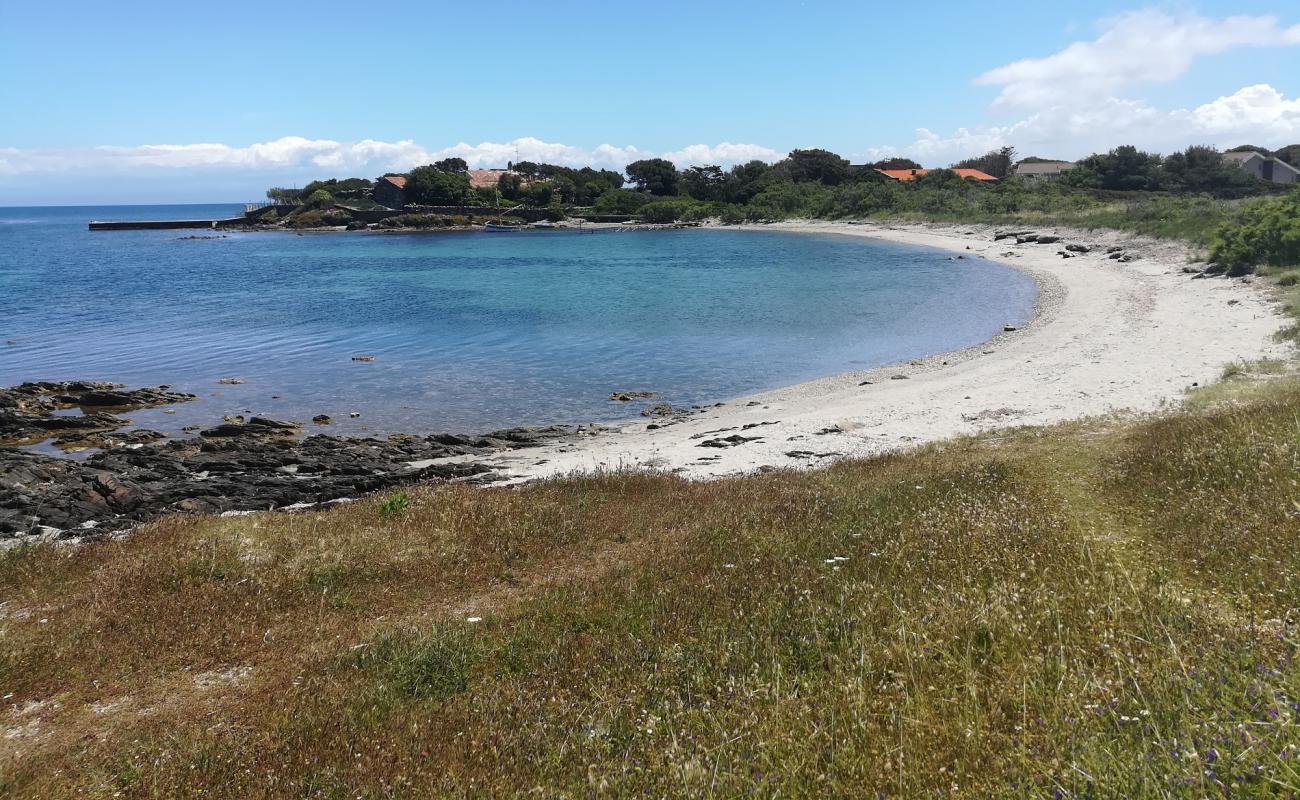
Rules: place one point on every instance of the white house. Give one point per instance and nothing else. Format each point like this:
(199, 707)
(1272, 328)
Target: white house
(1266, 168)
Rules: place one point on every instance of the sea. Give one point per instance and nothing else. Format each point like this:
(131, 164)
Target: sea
(468, 331)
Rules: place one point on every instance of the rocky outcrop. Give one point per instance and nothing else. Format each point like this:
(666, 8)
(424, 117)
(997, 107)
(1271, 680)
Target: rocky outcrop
(252, 465)
(29, 412)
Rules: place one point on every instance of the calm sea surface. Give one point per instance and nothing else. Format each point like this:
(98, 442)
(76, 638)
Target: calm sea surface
(471, 331)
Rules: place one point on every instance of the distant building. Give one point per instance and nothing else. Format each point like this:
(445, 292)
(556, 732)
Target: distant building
(485, 178)
(906, 175)
(1041, 170)
(1266, 168)
(390, 191)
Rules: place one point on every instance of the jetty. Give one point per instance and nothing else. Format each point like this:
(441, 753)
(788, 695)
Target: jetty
(162, 224)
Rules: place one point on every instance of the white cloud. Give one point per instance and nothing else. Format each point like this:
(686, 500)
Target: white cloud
(1258, 110)
(1145, 46)
(1257, 114)
(722, 154)
(364, 157)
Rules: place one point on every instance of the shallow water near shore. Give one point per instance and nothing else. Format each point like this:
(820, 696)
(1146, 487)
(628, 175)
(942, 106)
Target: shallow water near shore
(469, 331)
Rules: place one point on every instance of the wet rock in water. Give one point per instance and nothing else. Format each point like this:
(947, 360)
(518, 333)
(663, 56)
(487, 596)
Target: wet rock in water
(106, 440)
(623, 397)
(658, 410)
(231, 381)
(257, 426)
(363, 358)
(322, 419)
(1010, 328)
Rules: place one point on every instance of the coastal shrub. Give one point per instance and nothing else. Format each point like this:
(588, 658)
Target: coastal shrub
(1263, 232)
(270, 217)
(421, 221)
(665, 211)
(319, 199)
(335, 216)
(305, 219)
(732, 215)
(620, 201)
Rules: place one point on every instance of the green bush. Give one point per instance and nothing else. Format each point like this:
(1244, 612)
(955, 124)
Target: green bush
(620, 201)
(320, 199)
(665, 211)
(305, 219)
(419, 221)
(1263, 232)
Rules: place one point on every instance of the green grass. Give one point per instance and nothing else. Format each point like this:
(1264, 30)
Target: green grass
(1096, 609)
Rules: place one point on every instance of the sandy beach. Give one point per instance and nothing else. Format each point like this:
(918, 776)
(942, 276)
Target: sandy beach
(1107, 336)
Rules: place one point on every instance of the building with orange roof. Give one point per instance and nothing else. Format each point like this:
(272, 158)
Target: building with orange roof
(390, 191)
(906, 175)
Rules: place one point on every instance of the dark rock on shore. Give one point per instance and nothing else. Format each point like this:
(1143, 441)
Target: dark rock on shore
(29, 411)
(256, 470)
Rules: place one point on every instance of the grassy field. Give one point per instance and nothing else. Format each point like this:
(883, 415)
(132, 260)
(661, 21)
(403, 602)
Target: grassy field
(1096, 609)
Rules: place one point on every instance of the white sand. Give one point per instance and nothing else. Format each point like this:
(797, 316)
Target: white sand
(1107, 336)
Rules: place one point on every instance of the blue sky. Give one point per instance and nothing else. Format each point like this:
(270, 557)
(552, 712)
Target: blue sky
(90, 84)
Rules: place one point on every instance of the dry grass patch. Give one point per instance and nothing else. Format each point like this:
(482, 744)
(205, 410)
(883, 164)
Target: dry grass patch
(1094, 609)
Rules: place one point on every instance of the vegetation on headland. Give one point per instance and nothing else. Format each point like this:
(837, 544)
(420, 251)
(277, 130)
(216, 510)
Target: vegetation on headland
(1100, 608)
(1193, 195)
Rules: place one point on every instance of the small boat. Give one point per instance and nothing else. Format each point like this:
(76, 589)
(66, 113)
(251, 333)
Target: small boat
(497, 227)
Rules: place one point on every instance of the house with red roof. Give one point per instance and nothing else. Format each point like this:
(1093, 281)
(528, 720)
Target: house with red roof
(390, 191)
(906, 175)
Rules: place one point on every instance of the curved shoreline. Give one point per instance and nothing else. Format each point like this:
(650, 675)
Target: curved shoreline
(1105, 336)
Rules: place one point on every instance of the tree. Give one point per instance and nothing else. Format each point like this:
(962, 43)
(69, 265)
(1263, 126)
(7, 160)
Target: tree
(746, 180)
(431, 186)
(620, 201)
(1125, 168)
(897, 162)
(997, 163)
(1202, 169)
(452, 165)
(280, 195)
(510, 185)
(319, 199)
(654, 175)
(1290, 154)
(821, 166)
(704, 183)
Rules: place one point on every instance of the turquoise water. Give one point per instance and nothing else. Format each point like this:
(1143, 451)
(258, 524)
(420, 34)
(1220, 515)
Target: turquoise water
(470, 331)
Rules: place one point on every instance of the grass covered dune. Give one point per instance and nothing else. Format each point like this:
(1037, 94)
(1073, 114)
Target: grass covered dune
(1099, 608)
